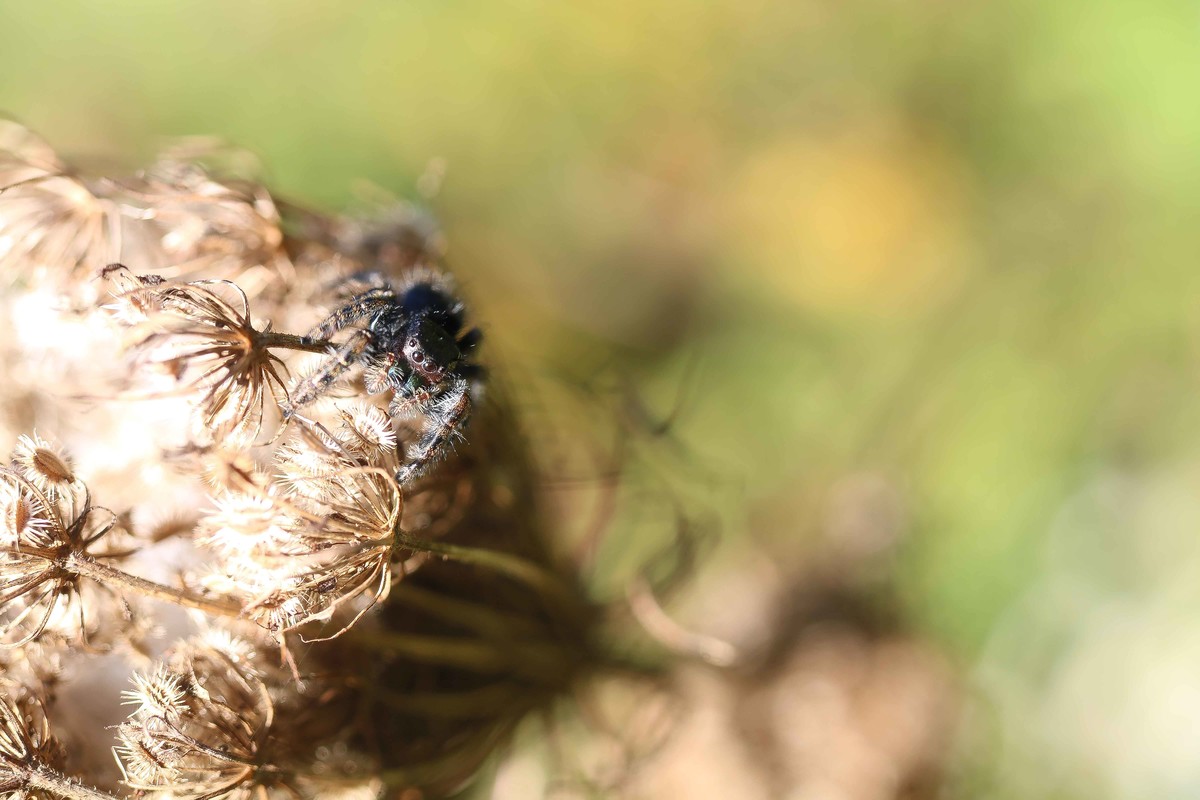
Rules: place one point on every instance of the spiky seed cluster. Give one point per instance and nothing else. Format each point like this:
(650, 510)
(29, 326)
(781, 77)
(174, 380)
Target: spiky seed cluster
(216, 719)
(206, 344)
(321, 536)
(46, 465)
(199, 726)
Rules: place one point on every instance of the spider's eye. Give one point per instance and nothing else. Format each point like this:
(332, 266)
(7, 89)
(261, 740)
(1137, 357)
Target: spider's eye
(413, 342)
(418, 357)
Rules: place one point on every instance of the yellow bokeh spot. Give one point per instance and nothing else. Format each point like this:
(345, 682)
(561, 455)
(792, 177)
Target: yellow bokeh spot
(861, 223)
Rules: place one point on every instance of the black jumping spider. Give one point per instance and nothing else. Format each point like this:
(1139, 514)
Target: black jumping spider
(415, 343)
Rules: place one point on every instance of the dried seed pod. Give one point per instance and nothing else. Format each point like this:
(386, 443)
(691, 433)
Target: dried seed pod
(53, 222)
(326, 535)
(176, 218)
(208, 724)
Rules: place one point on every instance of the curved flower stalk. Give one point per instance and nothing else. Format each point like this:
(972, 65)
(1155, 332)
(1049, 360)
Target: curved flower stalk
(31, 757)
(26, 744)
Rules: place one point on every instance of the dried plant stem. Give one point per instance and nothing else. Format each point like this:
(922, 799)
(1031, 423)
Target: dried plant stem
(35, 776)
(468, 704)
(469, 754)
(102, 573)
(481, 619)
(536, 661)
(520, 569)
(291, 342)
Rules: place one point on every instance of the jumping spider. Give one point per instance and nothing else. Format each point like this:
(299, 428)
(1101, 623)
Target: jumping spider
(415, 343)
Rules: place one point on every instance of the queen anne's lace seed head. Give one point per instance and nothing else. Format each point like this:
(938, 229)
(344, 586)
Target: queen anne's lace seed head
(199, 336)
(39, 530)
(308, 534)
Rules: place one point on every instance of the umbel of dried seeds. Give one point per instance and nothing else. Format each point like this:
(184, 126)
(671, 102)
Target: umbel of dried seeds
(276, 421)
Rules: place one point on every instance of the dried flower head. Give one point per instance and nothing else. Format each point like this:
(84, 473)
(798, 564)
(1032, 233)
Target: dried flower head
(208, 724)
(56, 552)
(198, 728)
(207, 345)
(39, 538)
(326, 537)
(176, 218)
(206, 226)
(52, 220)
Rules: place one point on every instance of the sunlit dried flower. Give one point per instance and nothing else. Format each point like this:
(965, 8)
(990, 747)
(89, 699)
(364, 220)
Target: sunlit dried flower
(175, 218)
(207, 725)
(21, 518)
(37, 589)
(198, 727)
(51, 221)
(330, 540)
(205, 226)
(159, 693)
(46, 465)
(209, 346)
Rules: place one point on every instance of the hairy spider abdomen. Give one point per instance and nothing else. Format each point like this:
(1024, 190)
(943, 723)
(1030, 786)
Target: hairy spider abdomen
(428, 300)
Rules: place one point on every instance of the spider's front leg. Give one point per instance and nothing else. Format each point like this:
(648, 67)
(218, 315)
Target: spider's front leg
(334, 367)
(445, 419)
(355, 309)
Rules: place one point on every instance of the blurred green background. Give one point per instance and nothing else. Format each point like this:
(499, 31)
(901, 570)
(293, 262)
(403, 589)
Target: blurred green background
(950, 246)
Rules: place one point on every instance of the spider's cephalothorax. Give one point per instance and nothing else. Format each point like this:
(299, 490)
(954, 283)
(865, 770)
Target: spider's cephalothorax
(415, 343)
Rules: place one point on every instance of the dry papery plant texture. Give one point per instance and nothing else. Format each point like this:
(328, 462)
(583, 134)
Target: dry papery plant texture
(237, 595)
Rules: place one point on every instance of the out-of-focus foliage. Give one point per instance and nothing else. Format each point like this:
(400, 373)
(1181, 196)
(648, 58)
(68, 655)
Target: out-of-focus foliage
(945, 248)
